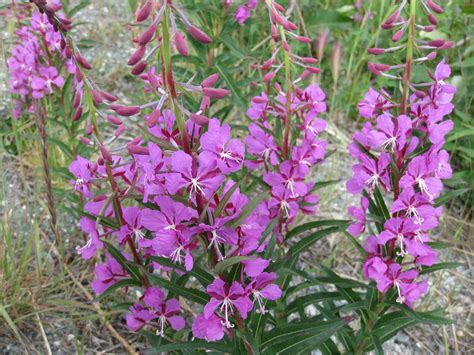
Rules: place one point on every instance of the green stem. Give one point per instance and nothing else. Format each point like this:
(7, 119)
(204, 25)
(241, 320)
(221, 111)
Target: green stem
(409, 57)
(170, 84)
(370, 324)
(288, 103)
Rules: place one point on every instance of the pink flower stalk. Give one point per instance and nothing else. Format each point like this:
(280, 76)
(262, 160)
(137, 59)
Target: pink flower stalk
(400, 155)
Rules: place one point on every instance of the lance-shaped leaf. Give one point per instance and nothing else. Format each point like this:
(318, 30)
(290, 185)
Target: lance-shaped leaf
(202, 276)
(118, 285)
(300, 337)
(192, 347)
(440, 266)
(315, 224)
(131, 269)
(227, 263)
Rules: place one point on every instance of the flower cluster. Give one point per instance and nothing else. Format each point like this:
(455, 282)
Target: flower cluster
(188, 176)
(32, 69)
(283, 138)
(400, 153)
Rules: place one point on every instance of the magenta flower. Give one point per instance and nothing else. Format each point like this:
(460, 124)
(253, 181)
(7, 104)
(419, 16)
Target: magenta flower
(255, 267)
(289, 178)
(208, 328)
(420, 174)
(204, 180)
(283, 202)
(133, 227)
(89, 227)
(43, 84)
(219, 235)
(225, 298)
(373, 104)
(315, 97)
(262, 146)
(371, 173)
(82, 169)
(259, 105)
(108, 273)
(242, 14)
(389, 136)
(262, 288)
(357, 228)
(217, 146)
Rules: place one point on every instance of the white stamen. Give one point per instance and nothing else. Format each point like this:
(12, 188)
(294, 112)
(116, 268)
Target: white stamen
(227, 308)
(216, 241)
(259, 298)
(400, 240)
(400, 298)
(373, 181)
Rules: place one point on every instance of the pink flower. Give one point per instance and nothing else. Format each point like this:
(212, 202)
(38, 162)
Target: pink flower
(208, 328)
(228, 154)
(227, 299)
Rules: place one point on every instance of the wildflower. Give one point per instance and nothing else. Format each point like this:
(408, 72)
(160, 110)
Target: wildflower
(227, 299)
(208, 328)
(262, 288)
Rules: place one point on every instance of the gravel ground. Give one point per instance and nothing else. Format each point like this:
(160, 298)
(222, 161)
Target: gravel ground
(73, 327)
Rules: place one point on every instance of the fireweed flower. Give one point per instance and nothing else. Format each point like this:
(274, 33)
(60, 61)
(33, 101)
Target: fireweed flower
(32, 74)
(227, 299)
(399, 153)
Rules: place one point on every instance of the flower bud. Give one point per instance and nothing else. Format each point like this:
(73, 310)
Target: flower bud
(269, 77)
(431, 55)
(148, 34)
(114, 120)
(433, 19)
(199, 35)
(290, 26)
(139, 68)
(78, 114)
(89, 129)
(137, 55)
(153, 118)
(372, 68)
(437, 43)
(210, 81)
(376, 51)
(398, 35)
(309, 60)
(200, 120)
(85, 140)
(82, 61)
(120, 129)
(138, 150)
(180, 43)
(435, 7)
(278, 7)
(447, 45)
(109, 97)
(105, 153)
(77, 99)
(215, 93)
(145, 11)
(286, 46)
(303, 39)
(97, 97)
(128, 110)
(313, 70)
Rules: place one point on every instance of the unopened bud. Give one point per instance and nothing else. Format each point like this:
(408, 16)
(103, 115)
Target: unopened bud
(128, 110)
(268, 77)
(82, 61)
(109, 97)
(139, 68)
(120, 129)
(153, 118)
(180, 43)
(145, 11)
(200, 120)
(398, 35)
(376, 51)
(199, 35)
(114, 120)
(147, 35)
(78, 114)
(105, 153)
(435, 7)
(215, 93)
(137, 56)
(210, 81)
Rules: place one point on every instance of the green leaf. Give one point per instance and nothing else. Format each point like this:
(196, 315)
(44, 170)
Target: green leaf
(299, 337)
(306, 242)
(190, 294)
(117, 255)
(315, 224)
(202, 276)
(312, 298)
(236, 93)
(431, 317)
(194, 345)
(377, 344)
(227, 263)
(62, 146)
(117, 285)
(440, 266)
(223, 202)
(133, 5)
(449, 196)
(321, 184)
(381, 203)
(83, 4)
